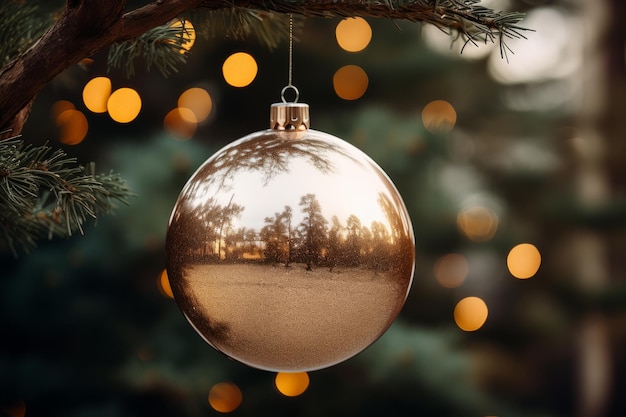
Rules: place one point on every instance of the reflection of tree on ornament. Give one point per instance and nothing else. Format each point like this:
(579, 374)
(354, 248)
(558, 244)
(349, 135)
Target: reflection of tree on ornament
(313, 228)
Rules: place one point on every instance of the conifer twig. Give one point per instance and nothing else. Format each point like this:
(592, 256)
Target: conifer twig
(88, 26)
(45, 194)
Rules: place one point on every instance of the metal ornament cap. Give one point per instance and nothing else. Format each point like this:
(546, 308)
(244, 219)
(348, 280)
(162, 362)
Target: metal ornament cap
(290, 117)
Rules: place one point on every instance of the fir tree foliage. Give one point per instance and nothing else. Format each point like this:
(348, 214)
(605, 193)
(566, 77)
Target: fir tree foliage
(161, 48)
(45, 193)
(21, 25)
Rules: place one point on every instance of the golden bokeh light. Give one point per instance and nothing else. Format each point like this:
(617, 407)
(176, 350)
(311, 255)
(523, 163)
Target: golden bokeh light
(96, 93)
(239, 69)
(225, 397)
(59, 107)
(180, 122)
(439, 116)
(350, 82)
(198, 101)
(291, 384)
(163, 284)
(523, 261)
(478, 223)
(470, 314)
(451, 270)
(353, 34)
(73, 125)
(124, 105)
(188, 34)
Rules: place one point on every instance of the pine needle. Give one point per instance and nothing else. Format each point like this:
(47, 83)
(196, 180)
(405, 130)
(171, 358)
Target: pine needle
(44, 193)
(161, 47)
(22, 24)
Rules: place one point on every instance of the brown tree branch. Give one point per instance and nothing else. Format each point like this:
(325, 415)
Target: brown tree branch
(84, 28)
(88, 26)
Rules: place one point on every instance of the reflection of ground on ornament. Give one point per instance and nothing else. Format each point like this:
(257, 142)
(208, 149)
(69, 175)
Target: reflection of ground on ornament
(293, 313)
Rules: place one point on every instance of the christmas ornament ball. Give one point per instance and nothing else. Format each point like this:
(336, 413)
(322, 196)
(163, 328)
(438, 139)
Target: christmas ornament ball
(290, 249)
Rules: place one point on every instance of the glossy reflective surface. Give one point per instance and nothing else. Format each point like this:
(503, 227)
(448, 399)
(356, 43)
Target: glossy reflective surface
(290, 251)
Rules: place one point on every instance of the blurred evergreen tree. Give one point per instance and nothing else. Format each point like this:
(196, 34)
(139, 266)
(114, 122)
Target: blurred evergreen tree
(87, 333)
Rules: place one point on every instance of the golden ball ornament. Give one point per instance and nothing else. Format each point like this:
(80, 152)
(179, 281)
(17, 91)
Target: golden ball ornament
(290, 250)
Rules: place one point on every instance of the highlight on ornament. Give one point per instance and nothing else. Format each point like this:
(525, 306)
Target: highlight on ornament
(289, 249)
(239, 69)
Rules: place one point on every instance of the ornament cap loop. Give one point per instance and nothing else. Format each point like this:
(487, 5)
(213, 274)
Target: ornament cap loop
(289, 116)
(290, 87)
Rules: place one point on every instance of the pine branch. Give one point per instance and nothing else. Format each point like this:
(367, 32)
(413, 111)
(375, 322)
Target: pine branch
(44, 193)
(20, 25)
(466, 19)
(160, 47)
(241, 23)
(88, 26)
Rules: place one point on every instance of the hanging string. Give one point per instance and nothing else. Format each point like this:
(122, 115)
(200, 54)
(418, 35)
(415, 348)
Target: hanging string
(289, 85)
(290, 48)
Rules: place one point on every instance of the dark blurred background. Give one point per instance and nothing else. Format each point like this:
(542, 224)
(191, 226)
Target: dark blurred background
(487, 154)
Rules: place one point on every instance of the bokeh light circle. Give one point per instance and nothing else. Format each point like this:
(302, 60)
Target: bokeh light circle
(188, 34)
(124, 105)
(478, 223)
(470, 314)
(198, 101)
(96, 93)
(180, 122)
(353, 34)
(225, 397)
(439, 116)
(73, 125)
(350, 82)
(163, 284)
(523, 260)
(59, 107)
(239, 69)
(451, 270)
(291, 384)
